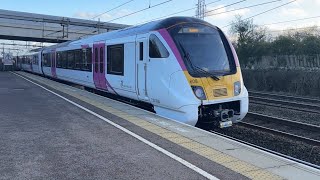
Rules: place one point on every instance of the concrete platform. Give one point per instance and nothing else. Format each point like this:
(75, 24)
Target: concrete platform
(44, 136)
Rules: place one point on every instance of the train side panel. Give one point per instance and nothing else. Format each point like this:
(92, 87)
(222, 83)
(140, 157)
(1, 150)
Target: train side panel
(47, 71)
(123, 85)
(84, 78)
(169, 90)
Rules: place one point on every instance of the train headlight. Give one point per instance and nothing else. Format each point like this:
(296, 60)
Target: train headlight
(237, 88)
(198, 91)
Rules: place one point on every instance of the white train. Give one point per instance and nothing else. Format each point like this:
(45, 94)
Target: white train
(184, 67)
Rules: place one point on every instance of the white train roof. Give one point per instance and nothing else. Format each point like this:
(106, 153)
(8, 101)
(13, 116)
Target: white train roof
(151, 26)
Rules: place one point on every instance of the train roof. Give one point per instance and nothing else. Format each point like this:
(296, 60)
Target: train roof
(151, 26)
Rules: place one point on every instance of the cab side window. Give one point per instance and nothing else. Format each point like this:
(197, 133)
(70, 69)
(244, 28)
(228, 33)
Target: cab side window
(156, 48)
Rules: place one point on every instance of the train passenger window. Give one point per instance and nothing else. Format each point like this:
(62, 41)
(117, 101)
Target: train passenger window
(64, 59)
(54, 63)
(101, 60)
(115, 62)
(36, 59)
(59, 60)
(71, 62)
(46, 60)
(156, 48)
(86, 60)
(49, 60)
(96, 60)
(141, 51)
(83, 59)
(78, 59)
(89, 60)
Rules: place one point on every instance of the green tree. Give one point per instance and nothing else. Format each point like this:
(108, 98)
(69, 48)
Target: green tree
(285, 45)
(251, 39)
(310, 45)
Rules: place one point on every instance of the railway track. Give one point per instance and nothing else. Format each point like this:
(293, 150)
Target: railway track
(277, 136)
(266, 149)
(289, 102)
(286, 97)
(283, 127)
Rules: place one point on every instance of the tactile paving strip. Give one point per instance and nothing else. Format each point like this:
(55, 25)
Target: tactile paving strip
(228, 161)
(261, 174)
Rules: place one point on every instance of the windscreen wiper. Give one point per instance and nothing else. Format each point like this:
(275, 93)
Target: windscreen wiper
(208, 73)
(186, 55)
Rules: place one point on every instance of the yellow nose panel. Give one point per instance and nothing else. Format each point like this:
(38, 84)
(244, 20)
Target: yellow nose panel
(216, 89)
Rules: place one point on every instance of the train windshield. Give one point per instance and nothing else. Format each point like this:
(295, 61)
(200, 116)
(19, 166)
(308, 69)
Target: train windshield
(205, 50)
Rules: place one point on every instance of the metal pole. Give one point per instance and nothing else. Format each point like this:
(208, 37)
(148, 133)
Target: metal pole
(201, 9)
(99, 26)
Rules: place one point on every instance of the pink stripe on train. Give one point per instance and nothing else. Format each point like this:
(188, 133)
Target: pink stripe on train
(166, 36)
(164, 33)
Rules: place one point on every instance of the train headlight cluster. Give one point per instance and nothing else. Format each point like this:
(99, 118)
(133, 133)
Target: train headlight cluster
(198, 91)
(237, 88)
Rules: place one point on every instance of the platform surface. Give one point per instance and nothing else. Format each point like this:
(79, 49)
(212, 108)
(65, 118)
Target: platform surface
(43, 136)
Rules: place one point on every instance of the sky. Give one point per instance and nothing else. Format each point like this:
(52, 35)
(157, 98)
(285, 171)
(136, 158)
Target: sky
(84, 9)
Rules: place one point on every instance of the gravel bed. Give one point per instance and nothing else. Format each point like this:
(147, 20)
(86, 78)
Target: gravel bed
(282, 145)
(287, 127)
(294, 115)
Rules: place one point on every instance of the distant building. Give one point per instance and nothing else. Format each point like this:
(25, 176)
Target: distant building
(7, 61)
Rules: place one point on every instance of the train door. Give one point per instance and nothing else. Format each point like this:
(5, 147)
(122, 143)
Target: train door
(53, 64)
(142, 62)
(99, 75)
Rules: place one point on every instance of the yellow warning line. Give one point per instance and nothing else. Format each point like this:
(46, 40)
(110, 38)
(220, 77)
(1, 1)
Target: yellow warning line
(239, 166)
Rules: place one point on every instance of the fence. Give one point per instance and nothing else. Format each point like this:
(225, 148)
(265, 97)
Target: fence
(285, 61)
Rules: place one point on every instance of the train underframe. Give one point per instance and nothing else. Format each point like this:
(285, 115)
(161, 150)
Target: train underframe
(218, 115)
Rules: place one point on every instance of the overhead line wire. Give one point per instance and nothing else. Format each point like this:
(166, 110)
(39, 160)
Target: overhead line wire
(112, 9)
(94, 17)
(149, 7)
(191, 9)
(293, 20)
(251, 17)
(226, 6)
(140, 10)
(185, 10)
(269, 2)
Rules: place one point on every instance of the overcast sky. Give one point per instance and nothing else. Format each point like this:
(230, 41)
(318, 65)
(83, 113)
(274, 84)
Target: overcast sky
(87, 9)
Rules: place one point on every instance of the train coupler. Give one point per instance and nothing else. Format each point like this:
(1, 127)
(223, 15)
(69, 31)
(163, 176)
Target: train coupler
(225, 116)
(220, 117)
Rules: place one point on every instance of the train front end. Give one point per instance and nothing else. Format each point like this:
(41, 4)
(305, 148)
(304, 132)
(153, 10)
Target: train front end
(213, 73)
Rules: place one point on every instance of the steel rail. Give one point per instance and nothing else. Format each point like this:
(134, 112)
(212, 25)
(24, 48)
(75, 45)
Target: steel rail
(285, 102)
(296, 98)
(278, 120)
(310, 108)
(310, 141)
(267, 150)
